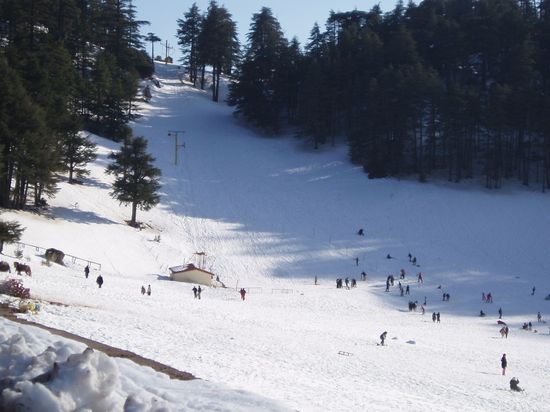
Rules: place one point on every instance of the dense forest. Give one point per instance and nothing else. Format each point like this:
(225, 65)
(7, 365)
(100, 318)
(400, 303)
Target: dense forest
(453, 88)
(65, 66)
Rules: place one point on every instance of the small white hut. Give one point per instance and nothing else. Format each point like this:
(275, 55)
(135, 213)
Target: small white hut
(192, 274)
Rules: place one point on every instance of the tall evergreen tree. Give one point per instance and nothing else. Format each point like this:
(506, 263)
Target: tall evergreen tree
(136, 179)
(258, 92)
(218, 44)
(189, 29)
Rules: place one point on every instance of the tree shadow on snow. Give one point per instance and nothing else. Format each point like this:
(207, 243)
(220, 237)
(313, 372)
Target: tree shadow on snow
(77, 215)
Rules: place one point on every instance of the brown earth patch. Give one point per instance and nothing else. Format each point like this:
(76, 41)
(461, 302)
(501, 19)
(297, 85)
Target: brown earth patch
(7, 312)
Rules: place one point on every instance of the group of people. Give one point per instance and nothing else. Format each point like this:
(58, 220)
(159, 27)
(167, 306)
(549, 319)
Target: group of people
(487, 298)
(148, 291)
(99, 279)
(197, 292)
(514, 382)
(340, 283)
(436, 317)
(446, 297)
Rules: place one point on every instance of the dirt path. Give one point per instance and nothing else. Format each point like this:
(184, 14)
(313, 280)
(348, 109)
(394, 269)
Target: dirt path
(6, 312)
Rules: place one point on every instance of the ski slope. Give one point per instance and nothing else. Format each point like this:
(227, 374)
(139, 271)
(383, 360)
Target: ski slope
(271, 214)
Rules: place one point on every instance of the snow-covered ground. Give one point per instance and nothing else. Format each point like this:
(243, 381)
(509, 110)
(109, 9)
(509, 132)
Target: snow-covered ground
(271, 214)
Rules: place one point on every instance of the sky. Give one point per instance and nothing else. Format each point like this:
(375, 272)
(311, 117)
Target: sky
(296, 17)
(271, 215)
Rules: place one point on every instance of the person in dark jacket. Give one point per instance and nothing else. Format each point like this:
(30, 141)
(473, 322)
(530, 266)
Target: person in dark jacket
(243, 293)
(503, 363)
(514, 382)
(383, 338)
(142, 290)
(149, 290)
(434, 317)
(86, 271)
(195, 291)
(99, 281)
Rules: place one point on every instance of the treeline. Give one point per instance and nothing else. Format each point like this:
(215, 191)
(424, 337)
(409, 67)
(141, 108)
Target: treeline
(453, 87)
(65, 65)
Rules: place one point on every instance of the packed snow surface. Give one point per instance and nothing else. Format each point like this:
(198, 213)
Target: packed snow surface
(271, 215)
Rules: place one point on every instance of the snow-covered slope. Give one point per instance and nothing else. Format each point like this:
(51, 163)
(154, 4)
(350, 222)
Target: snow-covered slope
(271, 214)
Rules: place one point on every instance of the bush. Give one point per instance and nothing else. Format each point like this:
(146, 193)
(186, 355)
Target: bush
(14, 287)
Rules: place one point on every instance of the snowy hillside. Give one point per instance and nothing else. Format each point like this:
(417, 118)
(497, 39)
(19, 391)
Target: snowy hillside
(271, 214)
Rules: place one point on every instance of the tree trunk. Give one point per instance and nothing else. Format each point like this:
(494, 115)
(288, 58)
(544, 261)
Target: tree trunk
(133, 219)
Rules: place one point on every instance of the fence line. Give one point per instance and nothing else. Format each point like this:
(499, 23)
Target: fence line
(74, 259)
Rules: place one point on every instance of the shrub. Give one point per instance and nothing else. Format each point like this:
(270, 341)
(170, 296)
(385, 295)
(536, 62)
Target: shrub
(14, 287)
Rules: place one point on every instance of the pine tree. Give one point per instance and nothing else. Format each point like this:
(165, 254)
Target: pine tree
(189, 29)
(259, 90)
(78, 150)
(9, 232)
(136, 179)
(218, 44)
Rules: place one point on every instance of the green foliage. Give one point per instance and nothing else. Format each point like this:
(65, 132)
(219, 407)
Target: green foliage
(9, 232)
(77, 150)
(136, 179)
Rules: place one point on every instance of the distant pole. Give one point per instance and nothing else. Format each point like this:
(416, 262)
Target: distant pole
(167, 47)
(175, 133)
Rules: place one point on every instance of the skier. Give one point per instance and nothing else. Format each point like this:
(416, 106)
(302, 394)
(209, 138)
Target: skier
(533, 292)
(407, 290)
(195, 291)
(86, 271)
(99, 281)
(363, 276)
(500, 313)
(414, 261)
(410, 257)
(514, 382)
(347, 283)
(360, 232)
(420, 278)
(243, 293)
(142, 290)
(503, 363)
(199, 290)
(402, 274)
(434, 317)
(438, 317)
(316, 279)
(149, 290)
(383, 338)
(506, 330)
(539, 317)
(356, 261)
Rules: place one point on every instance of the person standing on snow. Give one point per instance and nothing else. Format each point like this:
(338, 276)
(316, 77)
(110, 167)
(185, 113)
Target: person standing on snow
(99, 281)
(86, 271)
(503, 363)
(195, 291)
(142, 290)
(383, 338)
(199, 290)
(500, 313)
(149, 290)
(243, 293)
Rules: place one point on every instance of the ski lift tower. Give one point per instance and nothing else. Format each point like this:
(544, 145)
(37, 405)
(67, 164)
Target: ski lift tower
(175, 133)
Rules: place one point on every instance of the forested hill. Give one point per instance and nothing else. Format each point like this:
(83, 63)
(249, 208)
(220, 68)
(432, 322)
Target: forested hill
(456, 88)
(64, 66)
